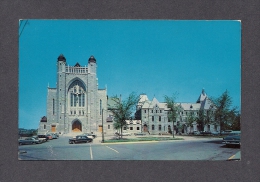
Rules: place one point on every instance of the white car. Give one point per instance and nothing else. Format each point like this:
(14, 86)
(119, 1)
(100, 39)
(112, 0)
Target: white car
(126, 134)
(88, 135)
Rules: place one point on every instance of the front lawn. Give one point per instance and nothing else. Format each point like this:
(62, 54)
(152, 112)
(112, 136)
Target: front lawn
(141, 139)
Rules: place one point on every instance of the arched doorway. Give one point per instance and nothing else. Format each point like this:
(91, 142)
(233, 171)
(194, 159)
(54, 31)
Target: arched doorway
(145, 128)
(76, 126)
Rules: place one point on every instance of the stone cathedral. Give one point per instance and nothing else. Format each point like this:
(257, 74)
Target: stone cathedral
(76, 104)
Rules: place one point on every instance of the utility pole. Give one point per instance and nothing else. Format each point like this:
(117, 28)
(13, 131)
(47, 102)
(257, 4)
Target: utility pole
(102, 128)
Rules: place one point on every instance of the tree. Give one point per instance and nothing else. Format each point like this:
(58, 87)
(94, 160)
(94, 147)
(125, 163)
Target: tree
(236, 121)
(173, 109)
(201, 119)
(190, 120)
(222, 112)
(122, 110)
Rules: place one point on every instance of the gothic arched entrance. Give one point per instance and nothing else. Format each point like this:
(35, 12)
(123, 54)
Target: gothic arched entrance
(145, 128)
(76, 126)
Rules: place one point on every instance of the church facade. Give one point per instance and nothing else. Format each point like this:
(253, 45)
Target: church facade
(76, 104)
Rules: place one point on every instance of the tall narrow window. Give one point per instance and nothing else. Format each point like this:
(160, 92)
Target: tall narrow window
(53, 106)
(159, 118)
(152, 127)
(75, 100)
(160, 128)
(71, 99)
(152, 118)
(83, 100)
(79, 100)
(100, 106)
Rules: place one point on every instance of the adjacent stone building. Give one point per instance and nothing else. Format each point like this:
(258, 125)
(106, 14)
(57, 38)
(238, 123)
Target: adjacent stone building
(154, 115)
(76, 104)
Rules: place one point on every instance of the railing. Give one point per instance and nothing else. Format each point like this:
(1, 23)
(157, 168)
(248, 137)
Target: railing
(76, 70)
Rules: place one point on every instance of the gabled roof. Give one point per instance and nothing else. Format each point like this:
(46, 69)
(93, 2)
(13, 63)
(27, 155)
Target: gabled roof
(202, 96)
(77, 65)
(142, 99)
(44, 119)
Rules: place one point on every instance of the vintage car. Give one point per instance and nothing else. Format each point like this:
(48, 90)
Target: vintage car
(54, 135)
(139, 133)
(124, 133)
(80, 139)
(233, 138)
(165, 133)
(89, 135)
(42, 140)
(29, 140)
(43, 137)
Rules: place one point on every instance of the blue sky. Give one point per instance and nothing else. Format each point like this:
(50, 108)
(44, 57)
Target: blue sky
(156, 57)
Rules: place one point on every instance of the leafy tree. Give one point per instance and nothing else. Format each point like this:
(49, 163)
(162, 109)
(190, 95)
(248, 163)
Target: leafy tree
(222, 112)
(190, 119)
(122, 110)
(201, 119)
(173, 109)
(236, 121)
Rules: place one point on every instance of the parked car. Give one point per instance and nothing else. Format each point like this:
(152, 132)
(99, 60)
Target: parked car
(233, 138)
(89, 135)
(226, 132)
(80, 139)
(125, 134)
(43, 137)
(49, 136)
(42, 140)
(54, 135)
(139, 133)
(164, 133)
(29, 140)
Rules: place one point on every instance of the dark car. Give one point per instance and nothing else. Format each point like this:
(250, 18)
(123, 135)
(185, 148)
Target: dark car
(80, 139)
(139, 133)
(233, 138)
(30, 140)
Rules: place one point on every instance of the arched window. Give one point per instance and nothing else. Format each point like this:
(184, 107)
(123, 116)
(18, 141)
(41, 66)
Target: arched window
(77, 92)
(160, 127)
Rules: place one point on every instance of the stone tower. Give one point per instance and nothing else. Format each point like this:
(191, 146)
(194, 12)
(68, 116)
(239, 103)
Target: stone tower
(75, 104)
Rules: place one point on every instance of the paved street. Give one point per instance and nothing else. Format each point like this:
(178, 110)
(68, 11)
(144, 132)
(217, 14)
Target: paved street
(190, 148)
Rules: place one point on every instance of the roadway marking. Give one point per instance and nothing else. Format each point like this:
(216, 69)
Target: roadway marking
(112, 149)
(231, 157)
(120, 143)
(91, 156)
